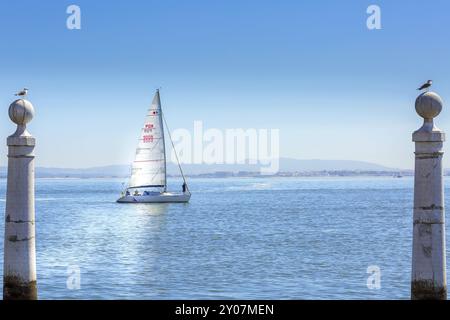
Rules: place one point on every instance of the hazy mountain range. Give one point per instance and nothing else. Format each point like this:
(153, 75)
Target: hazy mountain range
(285, 165)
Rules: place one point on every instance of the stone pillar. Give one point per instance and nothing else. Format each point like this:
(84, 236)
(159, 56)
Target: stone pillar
(19, 271)
(428, 257)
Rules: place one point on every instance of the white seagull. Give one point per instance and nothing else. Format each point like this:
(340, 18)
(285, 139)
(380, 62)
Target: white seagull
(426, 85)
(22, 93)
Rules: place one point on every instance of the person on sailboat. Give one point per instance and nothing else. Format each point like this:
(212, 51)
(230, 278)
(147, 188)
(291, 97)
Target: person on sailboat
(184, 187)
(136, 193)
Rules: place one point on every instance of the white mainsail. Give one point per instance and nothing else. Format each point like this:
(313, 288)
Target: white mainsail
(149, 166)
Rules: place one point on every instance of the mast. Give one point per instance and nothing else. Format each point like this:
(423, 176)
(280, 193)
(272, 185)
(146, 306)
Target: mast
(164, 143)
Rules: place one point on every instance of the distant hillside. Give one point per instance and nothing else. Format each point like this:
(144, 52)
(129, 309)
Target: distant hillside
(106, 171)
(286, 165)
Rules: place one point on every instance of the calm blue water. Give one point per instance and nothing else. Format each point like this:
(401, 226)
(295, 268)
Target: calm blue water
(271, 238)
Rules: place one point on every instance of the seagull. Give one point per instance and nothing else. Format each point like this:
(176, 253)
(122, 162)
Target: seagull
(22, 93)
(426, 85)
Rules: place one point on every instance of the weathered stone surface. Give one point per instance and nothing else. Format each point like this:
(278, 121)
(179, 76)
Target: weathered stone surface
(427, 290)
(16, 289)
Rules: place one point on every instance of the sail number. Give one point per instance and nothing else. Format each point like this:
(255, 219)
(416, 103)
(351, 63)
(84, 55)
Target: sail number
(148, 127)
(148, 138)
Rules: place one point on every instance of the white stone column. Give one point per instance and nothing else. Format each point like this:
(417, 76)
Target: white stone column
(19, 271)
(428, 257)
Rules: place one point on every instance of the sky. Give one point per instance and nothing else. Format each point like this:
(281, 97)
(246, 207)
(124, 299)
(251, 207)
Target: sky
(312, 69)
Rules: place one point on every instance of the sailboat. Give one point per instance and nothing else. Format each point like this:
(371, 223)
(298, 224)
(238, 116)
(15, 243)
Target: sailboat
(148, 181)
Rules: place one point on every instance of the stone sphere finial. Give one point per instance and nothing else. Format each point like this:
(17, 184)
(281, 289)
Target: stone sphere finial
(429, 105)
(21, 112)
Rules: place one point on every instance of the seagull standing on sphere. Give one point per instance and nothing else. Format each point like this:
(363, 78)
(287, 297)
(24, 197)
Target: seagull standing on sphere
(426, 85)
(22, 93)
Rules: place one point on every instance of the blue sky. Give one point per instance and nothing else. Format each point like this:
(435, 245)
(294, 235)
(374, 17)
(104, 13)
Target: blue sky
(335, 89)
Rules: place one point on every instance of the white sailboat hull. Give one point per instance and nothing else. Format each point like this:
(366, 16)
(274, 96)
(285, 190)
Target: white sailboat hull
(164, 197)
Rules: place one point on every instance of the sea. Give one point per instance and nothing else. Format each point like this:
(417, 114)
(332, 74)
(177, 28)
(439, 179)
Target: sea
(238, 238)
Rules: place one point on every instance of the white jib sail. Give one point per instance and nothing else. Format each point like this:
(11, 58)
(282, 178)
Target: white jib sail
(149, 166)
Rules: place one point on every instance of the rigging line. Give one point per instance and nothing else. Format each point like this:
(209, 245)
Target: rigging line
(175, 151)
